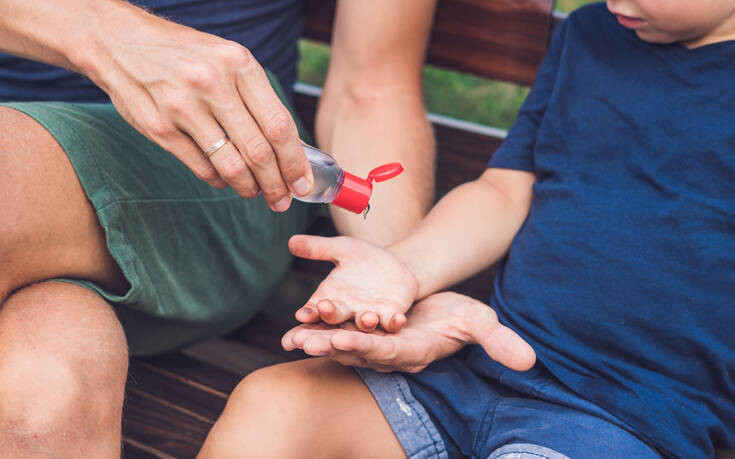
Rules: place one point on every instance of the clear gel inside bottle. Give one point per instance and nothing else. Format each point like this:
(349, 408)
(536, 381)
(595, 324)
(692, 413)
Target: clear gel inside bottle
(328, 176)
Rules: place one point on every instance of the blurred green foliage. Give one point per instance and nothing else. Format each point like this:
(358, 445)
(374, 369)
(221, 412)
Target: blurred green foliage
(448, 93)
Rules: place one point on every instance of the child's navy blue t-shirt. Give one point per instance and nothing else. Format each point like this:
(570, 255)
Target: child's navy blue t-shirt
(622, 278)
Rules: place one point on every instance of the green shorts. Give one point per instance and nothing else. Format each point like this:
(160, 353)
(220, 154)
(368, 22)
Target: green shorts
(199, 261)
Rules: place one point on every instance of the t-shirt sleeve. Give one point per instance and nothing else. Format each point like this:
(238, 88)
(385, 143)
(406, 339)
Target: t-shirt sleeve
(517, 149)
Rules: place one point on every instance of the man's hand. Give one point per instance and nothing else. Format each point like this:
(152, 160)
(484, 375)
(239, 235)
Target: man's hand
(184, 89)
(437, 327)
(181, 88)
(368, 284)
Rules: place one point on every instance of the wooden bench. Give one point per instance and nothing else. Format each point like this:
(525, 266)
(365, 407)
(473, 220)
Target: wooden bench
(173, 400)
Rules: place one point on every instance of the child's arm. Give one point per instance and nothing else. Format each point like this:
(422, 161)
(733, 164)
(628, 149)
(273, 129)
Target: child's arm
(469, 229)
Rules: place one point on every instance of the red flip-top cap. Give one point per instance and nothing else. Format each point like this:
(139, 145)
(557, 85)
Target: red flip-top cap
(355, 192)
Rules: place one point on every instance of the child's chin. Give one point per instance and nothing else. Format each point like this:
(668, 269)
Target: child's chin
(657, 37)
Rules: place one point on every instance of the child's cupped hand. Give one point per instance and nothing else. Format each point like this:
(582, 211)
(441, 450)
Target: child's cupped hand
(368, 284)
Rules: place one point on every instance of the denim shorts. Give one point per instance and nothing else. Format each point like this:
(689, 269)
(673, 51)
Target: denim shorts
(450, 411)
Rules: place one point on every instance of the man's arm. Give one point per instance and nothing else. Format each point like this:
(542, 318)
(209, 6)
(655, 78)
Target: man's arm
(372, 111)
(179, 87)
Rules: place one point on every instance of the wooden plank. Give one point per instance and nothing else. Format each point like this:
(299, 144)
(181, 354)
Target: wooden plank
(135, 450)
(190, 371)
(239, 357)
(156, 425)
(176, 389)
(497, 39)
(265, 330)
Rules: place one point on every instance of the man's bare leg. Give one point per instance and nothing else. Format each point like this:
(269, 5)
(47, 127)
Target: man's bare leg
(63, 356)
(309, 408)
(63, 367)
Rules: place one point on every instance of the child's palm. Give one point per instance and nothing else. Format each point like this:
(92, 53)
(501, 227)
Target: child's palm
(368, 284)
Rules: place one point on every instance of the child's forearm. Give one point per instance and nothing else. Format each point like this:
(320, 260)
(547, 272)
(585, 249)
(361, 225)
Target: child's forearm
(468, 230)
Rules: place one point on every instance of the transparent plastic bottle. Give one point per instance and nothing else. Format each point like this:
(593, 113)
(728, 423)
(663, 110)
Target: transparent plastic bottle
(328, 176)
(334, 185)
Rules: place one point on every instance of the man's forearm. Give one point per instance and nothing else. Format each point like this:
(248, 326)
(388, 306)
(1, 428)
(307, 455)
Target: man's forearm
(468, 230)
(368, 127)
(61, 33)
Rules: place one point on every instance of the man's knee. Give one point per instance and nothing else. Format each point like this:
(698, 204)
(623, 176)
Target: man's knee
(51, 396)
(63, 364)
(40, 394)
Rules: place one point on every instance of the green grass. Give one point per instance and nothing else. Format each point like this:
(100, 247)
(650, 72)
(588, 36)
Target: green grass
(448, 93)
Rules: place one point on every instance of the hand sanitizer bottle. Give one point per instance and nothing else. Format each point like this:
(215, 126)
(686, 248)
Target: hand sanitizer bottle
(333, 185)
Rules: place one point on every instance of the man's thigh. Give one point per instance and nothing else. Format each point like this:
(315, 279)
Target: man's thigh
(48, 228)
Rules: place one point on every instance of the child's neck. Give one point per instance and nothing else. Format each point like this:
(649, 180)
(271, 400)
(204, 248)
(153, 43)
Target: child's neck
(725, 31)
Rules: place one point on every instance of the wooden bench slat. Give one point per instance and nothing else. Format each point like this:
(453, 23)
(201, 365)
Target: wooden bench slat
(162, 426)
(234, 355)
(133, 449)
(176, 390)
(265, 330)
(498, 39)
(194, 371)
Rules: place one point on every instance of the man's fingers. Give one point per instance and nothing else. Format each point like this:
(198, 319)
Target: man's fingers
(348, 358)
(317, 247)
(287, 340)
(188, 152)
(232, 168)
(201, 126)
(318, 344)
(278, 127)
(377, 349)
(301, 337)
(504, 346)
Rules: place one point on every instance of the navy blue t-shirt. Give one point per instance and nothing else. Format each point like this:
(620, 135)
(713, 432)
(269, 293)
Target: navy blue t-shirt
(622, 278)
(270, 29)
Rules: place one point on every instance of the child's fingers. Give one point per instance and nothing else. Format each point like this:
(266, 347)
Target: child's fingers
(307, 314)
(315, 247)
(392, 322)
(334, 312)
(367, 321)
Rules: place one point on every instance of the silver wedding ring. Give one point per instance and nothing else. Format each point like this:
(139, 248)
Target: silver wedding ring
(216, 146)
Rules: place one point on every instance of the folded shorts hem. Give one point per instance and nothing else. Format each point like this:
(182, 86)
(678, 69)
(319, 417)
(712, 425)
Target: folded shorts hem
(409, 420)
